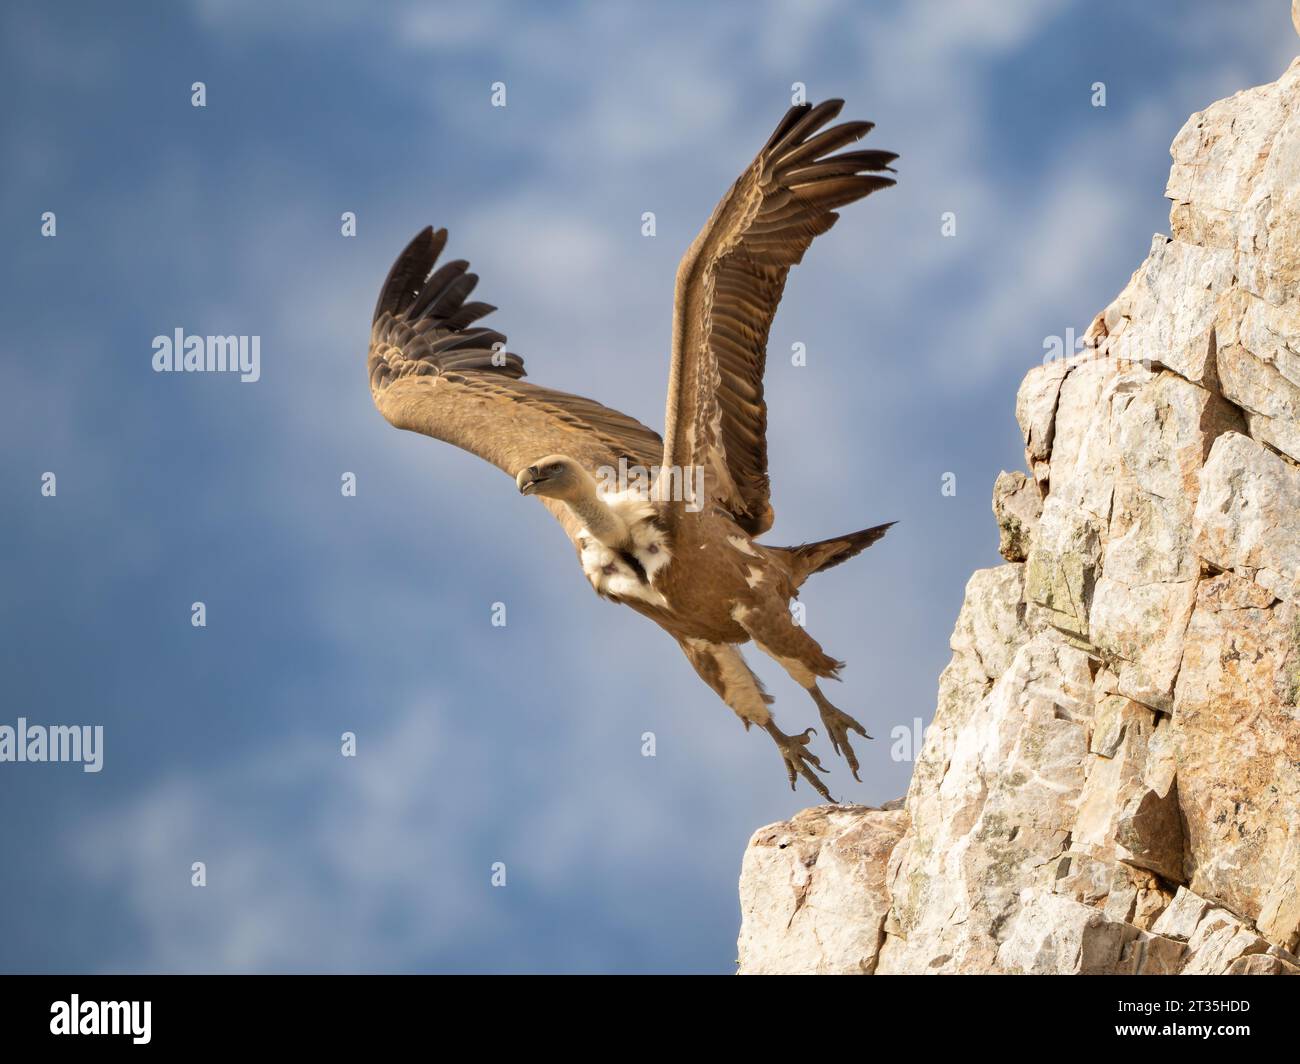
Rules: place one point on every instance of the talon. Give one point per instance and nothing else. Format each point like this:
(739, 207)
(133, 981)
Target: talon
(838, 725)
(798, 759)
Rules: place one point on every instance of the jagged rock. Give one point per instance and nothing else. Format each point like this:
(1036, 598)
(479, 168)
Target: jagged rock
(1051, 935)
(1237, 741)
(1253, 363)
(1166, 314)
(1160, 433)
(1150, 954)
(1134, 896)
(995, 803)
(813, 895)
(990, 632)
(1219, 159)
(1246, 516)
(1111, 782)
(1077, 874)
(1036, 414)
(1161, 767)
(1261, 964)
(1220, 939)
(1017, 505)
(1114, 778)
(1179, 920)
(1150, 834)
(1062, 567)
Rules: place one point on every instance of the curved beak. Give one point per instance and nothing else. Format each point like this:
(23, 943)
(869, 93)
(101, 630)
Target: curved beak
(528, 480)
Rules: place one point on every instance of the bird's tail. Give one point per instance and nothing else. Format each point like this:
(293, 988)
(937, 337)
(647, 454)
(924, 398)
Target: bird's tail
(815, 557)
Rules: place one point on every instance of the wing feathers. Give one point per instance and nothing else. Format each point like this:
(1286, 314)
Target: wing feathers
(442, 281)
(468, 314)
(783, 127)
(410, 269)
(813, 119)
(823, 144)
(838, 166)
(728, 289)
(432, 371)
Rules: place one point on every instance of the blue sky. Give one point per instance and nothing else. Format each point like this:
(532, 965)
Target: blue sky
(372, 614)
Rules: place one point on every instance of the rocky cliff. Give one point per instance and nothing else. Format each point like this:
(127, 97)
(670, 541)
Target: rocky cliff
(1111, 782)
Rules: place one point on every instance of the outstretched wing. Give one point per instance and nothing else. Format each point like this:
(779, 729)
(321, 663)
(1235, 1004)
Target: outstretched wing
(728, 286)
(433, 371)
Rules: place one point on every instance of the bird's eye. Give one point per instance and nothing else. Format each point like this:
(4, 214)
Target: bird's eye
(551, 470)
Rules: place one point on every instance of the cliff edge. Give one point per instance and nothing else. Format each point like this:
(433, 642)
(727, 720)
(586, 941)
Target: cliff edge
(1111, 782)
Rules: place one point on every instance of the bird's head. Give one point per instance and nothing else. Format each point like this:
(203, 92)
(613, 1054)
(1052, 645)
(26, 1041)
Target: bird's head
(556, 476)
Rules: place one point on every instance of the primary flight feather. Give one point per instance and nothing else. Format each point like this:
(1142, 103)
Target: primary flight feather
(679, 544)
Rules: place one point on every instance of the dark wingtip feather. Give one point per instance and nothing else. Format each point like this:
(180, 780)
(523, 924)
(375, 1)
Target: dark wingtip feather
(410, 270)
(783, 127)
(813, 120)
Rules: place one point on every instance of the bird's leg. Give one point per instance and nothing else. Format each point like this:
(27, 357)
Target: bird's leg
(802, 657)
(838, 725)
(799, 760)
(723, 667)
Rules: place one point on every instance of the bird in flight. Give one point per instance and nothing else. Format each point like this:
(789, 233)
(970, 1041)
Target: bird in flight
(667, 526)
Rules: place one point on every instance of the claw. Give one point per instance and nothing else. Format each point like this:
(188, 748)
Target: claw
(838, 725)
(798, 759)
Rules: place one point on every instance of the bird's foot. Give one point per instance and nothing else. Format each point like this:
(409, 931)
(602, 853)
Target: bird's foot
(799, 760)
(838, 725)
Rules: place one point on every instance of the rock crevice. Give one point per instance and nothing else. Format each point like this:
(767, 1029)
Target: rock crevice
(1111, 782)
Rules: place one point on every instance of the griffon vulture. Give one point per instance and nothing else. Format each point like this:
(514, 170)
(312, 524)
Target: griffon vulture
(687, 559)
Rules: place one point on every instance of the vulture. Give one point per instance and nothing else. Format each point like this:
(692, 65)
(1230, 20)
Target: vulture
(667, 525)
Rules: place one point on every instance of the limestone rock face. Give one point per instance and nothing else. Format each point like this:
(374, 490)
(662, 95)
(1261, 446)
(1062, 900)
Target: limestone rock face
(813, 891)
(1017, 505)
(1111, 782)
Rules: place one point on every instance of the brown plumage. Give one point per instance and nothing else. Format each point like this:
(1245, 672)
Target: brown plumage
(677, 544)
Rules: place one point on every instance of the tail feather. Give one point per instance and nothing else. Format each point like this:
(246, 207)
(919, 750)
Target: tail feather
(824, 554)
